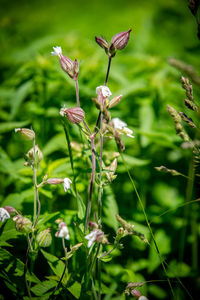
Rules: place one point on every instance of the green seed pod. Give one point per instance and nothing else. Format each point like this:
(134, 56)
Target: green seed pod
(44, 238)
(22, 224)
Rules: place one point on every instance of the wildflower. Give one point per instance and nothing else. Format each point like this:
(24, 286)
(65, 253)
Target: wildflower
(74, 114)
(27, 133)
(95, 235)
(104, 90)
(122, 127)
(44, 238)
(63, 231)
(68, 66)
(67, 183)
(4, 214)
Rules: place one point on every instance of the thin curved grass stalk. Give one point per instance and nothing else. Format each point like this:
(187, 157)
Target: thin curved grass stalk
(148, 224)
(64, 270)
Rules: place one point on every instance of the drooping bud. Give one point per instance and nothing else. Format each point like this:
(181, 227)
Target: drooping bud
(10, 209)
(76, 247)
(93, 225)
(68, 66)
(114, 101)
(54, 181)
(120, 40)
(28, 134)
(35, 154)
(22, 224)
(75, 114)
(136, 293)
(44, 238)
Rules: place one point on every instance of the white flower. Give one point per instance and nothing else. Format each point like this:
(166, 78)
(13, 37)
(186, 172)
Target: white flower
(57, 51)
(63, 231)
(104, 90)
(95, 235)
(4, 214)
(122, 127)
(118, 124)
(91, 237)
(143, 298)
(67, 183)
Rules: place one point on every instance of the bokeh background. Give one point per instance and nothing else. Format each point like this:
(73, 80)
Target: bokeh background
(33, 89)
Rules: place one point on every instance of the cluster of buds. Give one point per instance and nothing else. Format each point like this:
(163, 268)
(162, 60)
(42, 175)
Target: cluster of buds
(130, 290)
(111, 170)
(22, 224)
(63, 231)
(75, 115)
(70, 67)
(128, 229)
(96, 235)
(118, 42)
(5, 212)
(34, 156)
(44, 238)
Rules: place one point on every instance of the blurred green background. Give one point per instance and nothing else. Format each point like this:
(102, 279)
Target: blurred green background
(34, 88)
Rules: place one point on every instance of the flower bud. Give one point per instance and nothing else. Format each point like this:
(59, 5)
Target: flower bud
(10, 209)
(102, 43)
(112, 168)
(136, 293)
(68, 66)
(22, 224)
(35, 152)
(75, 114)
(120, 40)
(54, 181)
(26, 133)
(114, 101)
(93, 225)
(76, 247)
(44, 238)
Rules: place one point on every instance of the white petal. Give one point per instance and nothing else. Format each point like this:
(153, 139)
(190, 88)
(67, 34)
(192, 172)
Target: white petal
(67, 183)
(90, 243)
(57, 51)
(128, 132)
(105, 91)
(64, 233)
(118, 124)
(4, 214)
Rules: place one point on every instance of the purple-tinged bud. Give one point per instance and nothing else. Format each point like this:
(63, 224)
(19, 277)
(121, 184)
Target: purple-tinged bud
(136, 293)
(114, 101)
(93, 225)
(10, 209)
(54, 181)
(22, 224)
(102, 43)
(26, 133)
(44, 238)
(75, 114)
(120, 40)
(68, 66)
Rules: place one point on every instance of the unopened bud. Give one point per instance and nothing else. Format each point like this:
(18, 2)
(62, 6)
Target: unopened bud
(68, 66)
(93, 225)
(26, 133)
(112, 168)
(35, 154)
(114, 101)
(44, 238)
(76, 247)
(22, 224)
(54, 181)
(136, 293)
(120, 40)
(10, 209)
(102, 43)
(75, 114)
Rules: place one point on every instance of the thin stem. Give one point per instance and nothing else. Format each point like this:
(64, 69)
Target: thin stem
(148, 224)
(100, 171)
(91, 183)
(108, 69)
(65, 268)
(77, 92)
(108, 252)
(34, 176)
(26, 267)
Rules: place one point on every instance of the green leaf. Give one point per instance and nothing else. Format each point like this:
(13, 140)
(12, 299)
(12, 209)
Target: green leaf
(131, 162)
(8, 126)
(41, 288)
(75, 289)
(110, 208)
